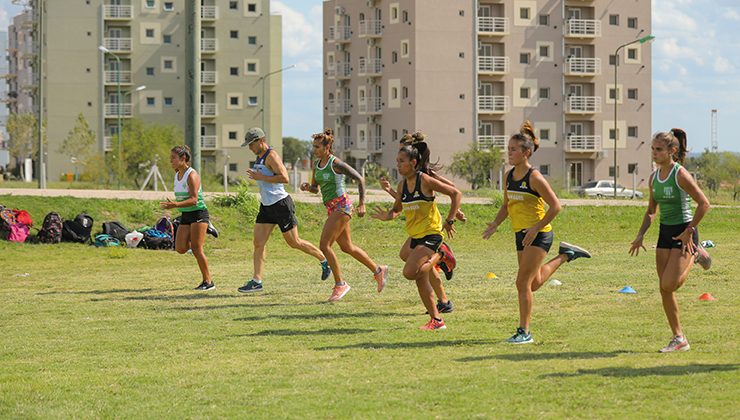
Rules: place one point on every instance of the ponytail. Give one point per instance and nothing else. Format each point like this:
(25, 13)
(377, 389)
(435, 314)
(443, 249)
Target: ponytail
(415, 147)
(676, 138)
(326, 138)
(526, 136)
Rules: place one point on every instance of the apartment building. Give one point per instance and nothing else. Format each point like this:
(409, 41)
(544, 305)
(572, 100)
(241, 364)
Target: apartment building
(144, 57)
(469, 72)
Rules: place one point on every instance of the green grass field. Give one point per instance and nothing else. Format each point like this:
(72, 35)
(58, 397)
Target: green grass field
(119, 333)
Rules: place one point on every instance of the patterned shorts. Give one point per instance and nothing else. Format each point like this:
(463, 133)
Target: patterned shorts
(340, 204)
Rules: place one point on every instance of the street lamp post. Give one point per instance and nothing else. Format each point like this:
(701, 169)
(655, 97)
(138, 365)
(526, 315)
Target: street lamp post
(616, 64)
(262, 79)
(105, 50)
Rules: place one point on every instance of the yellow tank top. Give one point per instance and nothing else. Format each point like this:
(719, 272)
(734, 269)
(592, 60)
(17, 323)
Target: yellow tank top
(422, 216)
(526, 207)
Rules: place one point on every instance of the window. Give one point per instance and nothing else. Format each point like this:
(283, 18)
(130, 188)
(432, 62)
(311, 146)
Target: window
(252, 101)
(612, 134)
(632, 22)
(252, 7)
(168, 101)
(545, 20)
(631, 168)
(405, 16)
(150, 71)
(632, 53)
(234, 100)
(394, 57)
(167, 64)
(545, 170)
(232, 135)
(394, 14)
(544, 51)
(168, 6)
(234, 34)
(545, 93)
(524, 93)
(524, 58)
(252, 40)
(614, 20)
(461, 130)
(611, 174)
(150, 101)
(251, 67)
(545, 134)
(149, 4)
(167, 39)
(394, 93)
(233, 5)
(632, 131)
(524, 13)
(612, 59)
(612, 93)
(404, 48)
(631, 93)
(233, 71)
(405, 92)
(149, 33)
(233, 167)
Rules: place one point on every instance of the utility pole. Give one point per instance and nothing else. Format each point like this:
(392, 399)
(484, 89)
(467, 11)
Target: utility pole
(715, 143)
(192, 51)
(38, 8)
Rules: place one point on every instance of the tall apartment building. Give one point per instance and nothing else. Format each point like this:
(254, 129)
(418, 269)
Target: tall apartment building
(469, 72)
(19, 76)
(240, 44)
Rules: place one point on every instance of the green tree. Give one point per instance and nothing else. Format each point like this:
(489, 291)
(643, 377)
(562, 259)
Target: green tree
(294, 149)
(22, 131)
(373, 173)
(142, 143)
(476, 166)
(80, 143)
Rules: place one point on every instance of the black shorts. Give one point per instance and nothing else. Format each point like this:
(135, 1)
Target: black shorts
(432, 242)
(197, 216)
(667, 232)
(281, 213)
(542, 240)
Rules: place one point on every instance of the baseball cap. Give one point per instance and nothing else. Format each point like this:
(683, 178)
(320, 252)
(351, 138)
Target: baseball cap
(253, 134)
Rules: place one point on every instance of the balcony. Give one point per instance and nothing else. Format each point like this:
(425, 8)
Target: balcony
(493, 26)
(208, 77)
(583, 104)
(108, 143)
(113, 77)
(370, 67)
(491, 142)
(371, 105)
(342, 33)
(583, 67)
(582, 144)
(346, 142)
(114, 110)
(493, 104)
(207, 142)
(372, 28)
(331, 71)
(208, 45)
(117, 44)
(493, 65)
(208, 110)
(583, 28)
(375, 144)
(343, 107)
(343, 71)
(117, 12)
(209, 12)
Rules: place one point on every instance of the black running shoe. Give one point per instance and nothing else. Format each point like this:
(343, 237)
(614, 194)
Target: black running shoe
(212, 230)
(325, 270)
(206, 286)
(445, 308)
(572, 251)
(251, 286)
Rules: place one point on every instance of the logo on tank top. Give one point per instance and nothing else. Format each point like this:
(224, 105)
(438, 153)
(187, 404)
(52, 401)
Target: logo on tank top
(326, 176)
(524, 185)
(668, 192)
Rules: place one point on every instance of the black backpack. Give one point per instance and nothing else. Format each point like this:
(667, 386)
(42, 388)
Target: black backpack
(51, 229)
(77, 230)
(154, 239)
(116, 230)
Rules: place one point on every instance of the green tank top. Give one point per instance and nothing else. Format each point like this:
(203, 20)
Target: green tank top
(330, 182)
(674, 203)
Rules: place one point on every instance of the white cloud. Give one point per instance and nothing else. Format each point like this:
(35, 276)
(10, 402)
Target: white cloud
(732, 14)
(723, 65)
(4, 19)
(669, 86)
(301, 35)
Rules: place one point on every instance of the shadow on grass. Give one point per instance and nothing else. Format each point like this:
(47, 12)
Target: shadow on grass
(95, 292)
(526, 357)
(239, 305)
(191, 296)
(631, 372)
(415, 345)
(287, 333)
(322, 316)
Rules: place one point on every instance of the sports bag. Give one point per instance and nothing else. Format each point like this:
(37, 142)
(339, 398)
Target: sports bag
(154, 239)
(51, 229)
(116, 230)
(77, 230)
(105, 240)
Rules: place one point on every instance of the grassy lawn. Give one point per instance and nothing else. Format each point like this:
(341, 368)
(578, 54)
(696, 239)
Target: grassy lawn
(92, 332)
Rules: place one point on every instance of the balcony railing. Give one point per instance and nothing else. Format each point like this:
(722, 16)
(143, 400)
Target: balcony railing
(343, 70)
(208, 110)
(117, 44)
(371, 28)
(370, 67)
(583, 143)
(113, 77)
(493, 65)
(584, 104)
(491, 142)
(371, 105)
(108, 143)
(209, 12)
(583, 66)
(114, 11)
(342, 33)
(208, 142)
(331, 107)
(343, 107)
(346, 142)
(493, 25)
(374, 144)
(583, 28)
(332, 34)
(208, 77)
(208, 45)
(114, 110)
(331, 71)
(493, 104)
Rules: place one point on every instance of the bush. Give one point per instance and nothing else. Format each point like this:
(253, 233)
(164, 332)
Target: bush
(247, 203)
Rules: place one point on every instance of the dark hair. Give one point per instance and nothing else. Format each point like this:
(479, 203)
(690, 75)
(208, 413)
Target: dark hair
(527, 137)
(326, 138)
(674, 138)
(183, 152)
(415, 147)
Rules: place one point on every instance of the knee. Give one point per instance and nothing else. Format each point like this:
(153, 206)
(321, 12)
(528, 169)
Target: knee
(410, 273)
(325, 246)
(667, 288)
(294, 244)
(181, 250)
(403, 255)
(347, 249)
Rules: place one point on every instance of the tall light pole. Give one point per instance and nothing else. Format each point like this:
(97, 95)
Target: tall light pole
(262, 79)
(616, 64)
(118, 110)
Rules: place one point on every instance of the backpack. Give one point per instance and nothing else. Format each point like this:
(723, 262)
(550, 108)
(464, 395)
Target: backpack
(154, 239)
(105, 240)
(165, 225)
(22, 216)
(116, 230)
(51, 229)
(18, 232)
(77, 230)
(10, 228)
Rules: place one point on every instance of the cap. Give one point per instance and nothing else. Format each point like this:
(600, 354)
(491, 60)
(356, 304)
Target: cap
(253, 134)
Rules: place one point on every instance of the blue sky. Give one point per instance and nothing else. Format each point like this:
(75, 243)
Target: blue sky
(696, 67)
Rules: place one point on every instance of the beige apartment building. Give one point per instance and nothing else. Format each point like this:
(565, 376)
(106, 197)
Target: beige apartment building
(469, 72)
(240, 45)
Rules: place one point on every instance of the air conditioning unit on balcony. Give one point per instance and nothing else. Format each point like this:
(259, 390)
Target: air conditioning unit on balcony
(339, 10)
(370, 3)
(371, 42)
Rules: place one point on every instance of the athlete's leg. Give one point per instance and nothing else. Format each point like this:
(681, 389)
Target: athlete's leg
(294, 241)
(182, 239)
(675, 272)
(345, 244)
(262, 233)
(529, 270)
(333, 227)
(412, 270)
(197, 240)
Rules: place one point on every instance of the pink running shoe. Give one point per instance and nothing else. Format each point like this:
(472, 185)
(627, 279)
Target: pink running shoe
(433, 324)
(381, 277)
(338, 292)
(677, 344)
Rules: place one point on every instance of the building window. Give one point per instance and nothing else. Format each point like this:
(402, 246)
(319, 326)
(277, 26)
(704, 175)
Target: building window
(524, 93)
(545, 20)
(405, 92)
(252, 40)
(613, 94)
(614, 20)
(252, 101)
(461, 130)
(612, 59)
(632, 131)
(233, 100)
(252, 7)
(167, 39)
(631, 93)
(612, 133)
(545, 134)
(232, 135)
(524, 13)
(234, 34)
(149, 33)
(233, 167)
(524, 58)
(545, 170)
(149, 4)
(631, 168)
(544, 51)
(394, 93)
(404, 48)
(150, 101)
(233, 71)
(233, 5)
(168, 6)
(632, 53)
(251, 67)
(167, 64)
(394, 57)
(394, 14)
(632, 22)
(545, 93)
(150, 71)
(611, 171)
(168, 101)
(405, 16)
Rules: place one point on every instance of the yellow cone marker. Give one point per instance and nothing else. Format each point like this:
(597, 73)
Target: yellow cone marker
(491, 275)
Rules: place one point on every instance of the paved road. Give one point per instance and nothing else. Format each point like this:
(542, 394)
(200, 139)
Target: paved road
(373, 196)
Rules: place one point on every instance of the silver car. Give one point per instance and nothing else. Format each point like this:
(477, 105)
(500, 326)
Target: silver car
(605, 188)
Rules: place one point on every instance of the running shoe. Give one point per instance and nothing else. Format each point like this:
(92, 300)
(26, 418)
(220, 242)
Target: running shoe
(703, 258)
(445, 308)
(573, 251)
(521, 337)
(251, 286)
(433, 324)
(211, 230)
(338, 292)
(381, 277)
(206, 286)
(325, 270)
(448, 262)
(677, 343)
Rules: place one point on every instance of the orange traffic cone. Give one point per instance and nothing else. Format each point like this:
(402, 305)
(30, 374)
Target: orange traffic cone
(707, 296)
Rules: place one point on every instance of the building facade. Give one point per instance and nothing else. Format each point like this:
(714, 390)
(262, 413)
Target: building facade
(468, 73)
(144, 57)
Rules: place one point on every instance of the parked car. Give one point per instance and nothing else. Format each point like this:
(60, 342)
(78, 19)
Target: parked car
(605, 188)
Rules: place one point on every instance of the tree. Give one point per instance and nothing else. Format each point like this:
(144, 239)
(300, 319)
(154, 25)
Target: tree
(373, 173)
(142, 143)
(476, 166)
(294, 149)
(716, 170)
(79, 143)
(23, 144)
